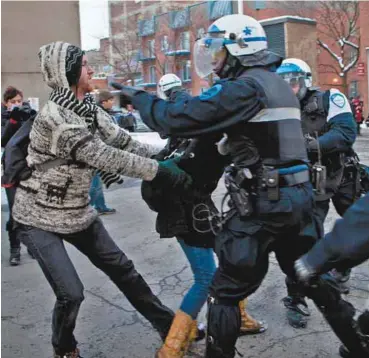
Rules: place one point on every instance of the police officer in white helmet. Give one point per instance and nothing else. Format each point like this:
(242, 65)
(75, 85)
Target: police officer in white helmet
(268, 181)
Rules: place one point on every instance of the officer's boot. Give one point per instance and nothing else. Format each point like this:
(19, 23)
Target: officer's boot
(177, 341)
(74, 354)
(297, 308)
(224, 322)
(340, 316)
(249, 325)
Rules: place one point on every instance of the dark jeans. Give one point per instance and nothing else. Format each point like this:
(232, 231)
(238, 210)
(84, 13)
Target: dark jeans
(94, 242)
(12, 232)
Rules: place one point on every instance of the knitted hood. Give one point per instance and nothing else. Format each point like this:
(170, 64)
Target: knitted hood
(61, 64)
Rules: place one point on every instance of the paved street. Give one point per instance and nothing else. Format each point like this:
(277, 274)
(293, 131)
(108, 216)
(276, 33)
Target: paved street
(108, 327)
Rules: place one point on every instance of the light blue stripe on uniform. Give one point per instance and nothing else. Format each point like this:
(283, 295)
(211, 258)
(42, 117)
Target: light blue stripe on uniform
(253, 39)
(293, 170)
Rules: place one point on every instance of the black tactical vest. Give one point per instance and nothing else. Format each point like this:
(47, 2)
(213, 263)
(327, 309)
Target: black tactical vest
(274, 136)
(313, 114)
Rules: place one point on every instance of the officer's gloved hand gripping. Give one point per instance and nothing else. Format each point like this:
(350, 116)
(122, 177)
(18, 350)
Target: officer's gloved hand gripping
(171, 175)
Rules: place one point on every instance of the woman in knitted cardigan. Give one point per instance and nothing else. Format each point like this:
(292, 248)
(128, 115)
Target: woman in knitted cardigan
(70, 138)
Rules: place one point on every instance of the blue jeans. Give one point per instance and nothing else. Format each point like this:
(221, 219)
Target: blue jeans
(203, 267)
(97, 194)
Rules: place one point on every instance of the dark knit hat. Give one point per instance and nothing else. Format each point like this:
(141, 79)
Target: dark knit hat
(73, 64)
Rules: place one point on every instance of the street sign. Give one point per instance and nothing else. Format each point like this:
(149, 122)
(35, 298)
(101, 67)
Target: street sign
(360, 69)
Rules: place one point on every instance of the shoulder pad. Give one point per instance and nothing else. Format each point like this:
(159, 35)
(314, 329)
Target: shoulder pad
(211, 92)
(338, 103)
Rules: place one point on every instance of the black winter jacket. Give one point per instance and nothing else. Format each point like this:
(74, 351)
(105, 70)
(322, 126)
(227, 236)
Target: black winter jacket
(199, 158)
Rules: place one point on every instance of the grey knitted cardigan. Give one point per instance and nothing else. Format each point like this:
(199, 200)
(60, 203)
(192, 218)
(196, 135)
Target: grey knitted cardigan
(57, 199)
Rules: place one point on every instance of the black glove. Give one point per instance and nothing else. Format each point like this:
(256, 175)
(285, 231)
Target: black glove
(126, 93)
(171, 176)
(21, 114)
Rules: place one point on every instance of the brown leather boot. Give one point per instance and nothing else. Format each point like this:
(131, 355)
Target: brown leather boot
(178, 338)
(197, 332)
(250, 325)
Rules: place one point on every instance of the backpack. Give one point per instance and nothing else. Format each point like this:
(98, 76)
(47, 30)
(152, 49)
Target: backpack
(15, 168)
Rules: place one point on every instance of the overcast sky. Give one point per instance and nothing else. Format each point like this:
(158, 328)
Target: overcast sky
(94, 22)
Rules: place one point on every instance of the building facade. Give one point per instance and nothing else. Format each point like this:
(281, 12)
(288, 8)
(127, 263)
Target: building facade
(167, 30)
(22, 36)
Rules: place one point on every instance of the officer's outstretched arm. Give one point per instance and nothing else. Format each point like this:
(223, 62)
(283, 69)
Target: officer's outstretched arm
(222, 106)
(341, 132)
(349, 240)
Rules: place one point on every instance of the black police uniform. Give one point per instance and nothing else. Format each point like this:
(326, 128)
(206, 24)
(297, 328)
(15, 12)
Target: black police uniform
(330, 132)
(260, 114)
(328, 116)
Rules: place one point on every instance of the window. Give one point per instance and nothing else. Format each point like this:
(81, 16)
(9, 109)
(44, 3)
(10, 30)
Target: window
(353, 91)
(151, 48)
(185, 41)
(165, 43)
(165, 68)
(186, 71)
(152, 74)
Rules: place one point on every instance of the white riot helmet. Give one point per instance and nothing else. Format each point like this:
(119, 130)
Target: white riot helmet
(241, 35)
(167, 83)
(298, 74)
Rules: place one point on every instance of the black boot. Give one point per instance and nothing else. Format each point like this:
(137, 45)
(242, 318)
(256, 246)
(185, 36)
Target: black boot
(297, 308)
(15, 256)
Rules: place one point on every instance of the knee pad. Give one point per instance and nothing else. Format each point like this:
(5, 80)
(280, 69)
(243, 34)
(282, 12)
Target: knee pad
(224, 322)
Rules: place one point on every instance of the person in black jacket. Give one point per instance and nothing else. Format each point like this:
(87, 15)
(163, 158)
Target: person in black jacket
(14, 113)
(186, 217)
(12, 98)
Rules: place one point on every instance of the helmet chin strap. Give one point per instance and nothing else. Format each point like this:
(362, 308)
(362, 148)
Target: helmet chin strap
(301, 93)
(230, 67)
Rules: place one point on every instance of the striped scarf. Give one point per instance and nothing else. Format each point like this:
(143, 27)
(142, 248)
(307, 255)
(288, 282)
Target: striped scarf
(87, 109)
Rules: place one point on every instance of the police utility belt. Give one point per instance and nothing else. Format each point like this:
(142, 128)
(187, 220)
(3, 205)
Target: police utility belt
(242, 185)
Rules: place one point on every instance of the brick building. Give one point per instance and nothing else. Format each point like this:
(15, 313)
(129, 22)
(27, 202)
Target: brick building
(167, 31)
(167, 41)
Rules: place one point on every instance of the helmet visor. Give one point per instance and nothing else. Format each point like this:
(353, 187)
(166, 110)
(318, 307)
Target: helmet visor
(206, 55)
